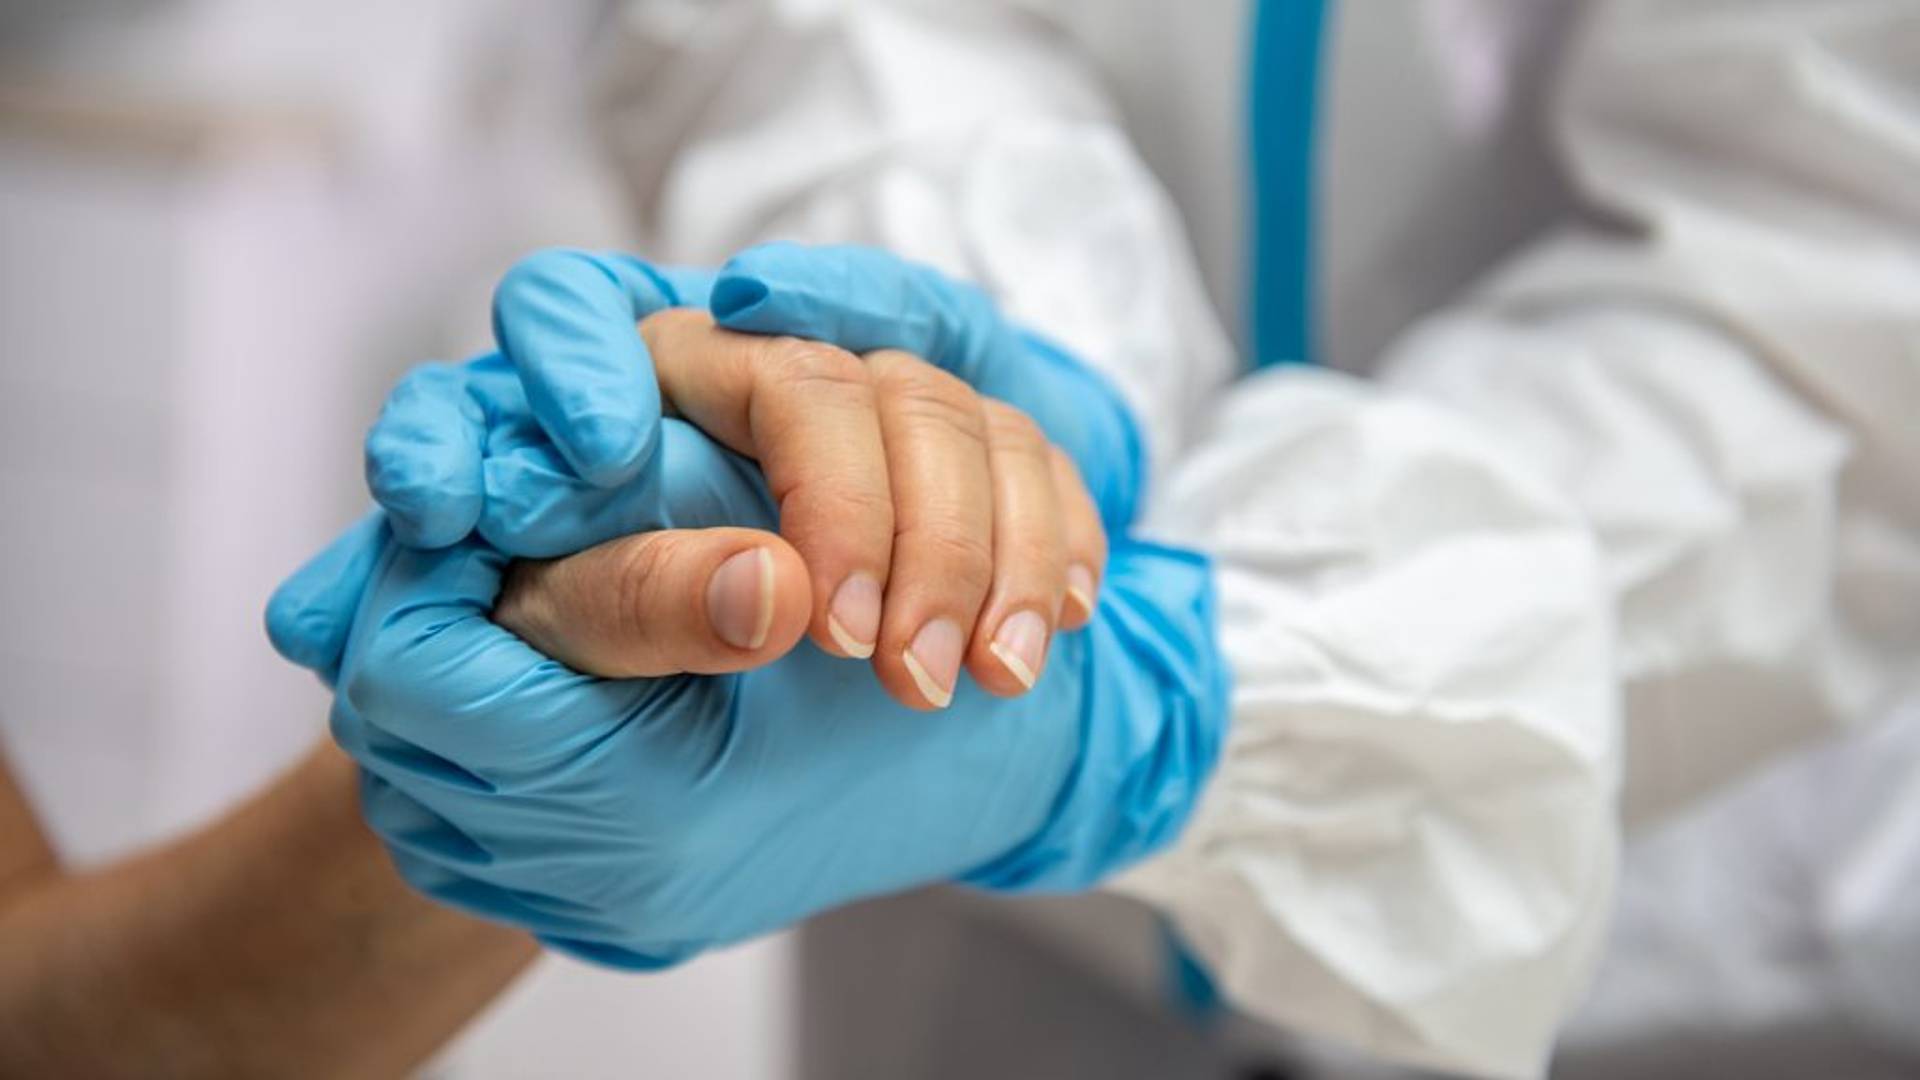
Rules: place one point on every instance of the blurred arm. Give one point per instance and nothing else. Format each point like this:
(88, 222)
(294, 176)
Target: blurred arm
(277, 941)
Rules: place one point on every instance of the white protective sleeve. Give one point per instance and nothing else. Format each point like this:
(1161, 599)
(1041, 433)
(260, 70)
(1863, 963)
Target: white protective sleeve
(1729, 394)
(1732, 395)
(1410, 843)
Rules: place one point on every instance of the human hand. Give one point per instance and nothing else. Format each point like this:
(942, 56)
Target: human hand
(606, 814)
(490, 442)
(636, 821)
(891, 474)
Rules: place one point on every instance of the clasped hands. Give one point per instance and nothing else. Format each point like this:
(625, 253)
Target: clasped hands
(619, 743)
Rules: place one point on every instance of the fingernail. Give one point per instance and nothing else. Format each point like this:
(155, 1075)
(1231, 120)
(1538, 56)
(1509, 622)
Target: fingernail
(934, 661)
(1021, 645)
(1080, 588)
(854, 616)
(740, 599)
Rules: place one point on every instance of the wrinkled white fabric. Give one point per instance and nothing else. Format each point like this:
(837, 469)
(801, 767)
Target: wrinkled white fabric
(1661, 477)
(1711, 490)
(1778, 914)
(1410, 841)
(1730, 397)
(840, 122)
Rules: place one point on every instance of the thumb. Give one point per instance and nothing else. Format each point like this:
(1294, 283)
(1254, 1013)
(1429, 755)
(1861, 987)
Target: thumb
(700, 601)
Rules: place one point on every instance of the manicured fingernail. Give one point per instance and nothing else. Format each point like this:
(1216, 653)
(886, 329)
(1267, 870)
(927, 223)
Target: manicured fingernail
(854, 616)
(1021, 645)
(1080, 589)
(740, 599)
(934, 661)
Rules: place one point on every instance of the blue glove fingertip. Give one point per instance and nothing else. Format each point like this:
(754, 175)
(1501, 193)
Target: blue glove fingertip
(608, 450)
(302, 635)
(422, 456)
(734, 298)
(310, 615)
(429, 507)
(566, 320)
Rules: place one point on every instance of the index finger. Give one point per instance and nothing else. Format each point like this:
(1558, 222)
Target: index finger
(807, 412)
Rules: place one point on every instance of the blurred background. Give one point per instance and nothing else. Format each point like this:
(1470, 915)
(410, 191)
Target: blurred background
(225, 229)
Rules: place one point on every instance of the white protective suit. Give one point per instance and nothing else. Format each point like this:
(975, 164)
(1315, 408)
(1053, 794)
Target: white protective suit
(1631, 516)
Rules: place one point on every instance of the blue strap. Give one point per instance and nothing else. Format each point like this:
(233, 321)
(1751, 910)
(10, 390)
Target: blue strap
(1283, 96)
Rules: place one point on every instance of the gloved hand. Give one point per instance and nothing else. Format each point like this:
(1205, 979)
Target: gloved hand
(466, 445)
(863, 299)
(637, 821)
(536, 416)
(547, 446)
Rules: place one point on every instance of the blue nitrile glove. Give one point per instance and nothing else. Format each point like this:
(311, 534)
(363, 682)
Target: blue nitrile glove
(635, 822)
(501, 441)
(687, 481)
(528, 444)
(563, 401)
(571, 373)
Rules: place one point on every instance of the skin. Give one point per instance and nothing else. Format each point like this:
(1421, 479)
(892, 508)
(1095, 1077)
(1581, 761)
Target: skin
(276, 941)
(279, 940)
(883, 466)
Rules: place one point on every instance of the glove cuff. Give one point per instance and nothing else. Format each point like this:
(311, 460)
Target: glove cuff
(1154, 707)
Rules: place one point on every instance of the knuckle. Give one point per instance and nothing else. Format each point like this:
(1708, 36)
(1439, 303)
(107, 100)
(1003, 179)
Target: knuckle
(644, 571)
(812, 363)
(961, 557)
(849, 506)
(905, 373)
(673, 321)
(943, 406)
(915, 392)
(1038, 558)
(1010, 427)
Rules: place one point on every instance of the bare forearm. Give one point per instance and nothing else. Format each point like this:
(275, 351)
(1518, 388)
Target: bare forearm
(277, 941)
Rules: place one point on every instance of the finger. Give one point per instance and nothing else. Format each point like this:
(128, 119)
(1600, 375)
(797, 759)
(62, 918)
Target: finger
(1086, 540)
(863, 299)
(935, 432)
(866, 299)
(704, 601)
(427, 667)
(311, 613)
(423, 456)
(564, 318)
(806, 412)
(537, 508)
(1009, 646)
